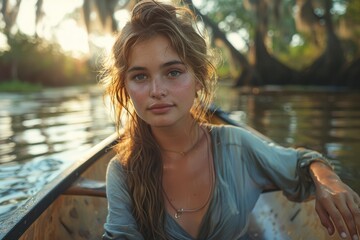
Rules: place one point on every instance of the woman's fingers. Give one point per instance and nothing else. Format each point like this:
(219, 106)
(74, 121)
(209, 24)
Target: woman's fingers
(354, 207)
(324, 218)
(336, 203)
(341, 211)
(336, 216)
(348, 218)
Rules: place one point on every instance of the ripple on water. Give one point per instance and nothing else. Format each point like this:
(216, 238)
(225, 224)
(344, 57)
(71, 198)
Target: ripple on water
(18, 182)
(38, 129)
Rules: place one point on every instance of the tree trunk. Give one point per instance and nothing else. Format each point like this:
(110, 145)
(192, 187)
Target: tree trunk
(14, 70)
(9, 15)
(351, 74)
(270, 70)
(38, 14)
(327, 68)
(247, 74)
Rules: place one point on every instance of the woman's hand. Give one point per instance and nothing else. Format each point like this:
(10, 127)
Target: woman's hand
(337, 205)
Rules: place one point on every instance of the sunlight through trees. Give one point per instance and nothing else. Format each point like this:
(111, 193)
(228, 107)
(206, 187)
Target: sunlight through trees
(302, 42)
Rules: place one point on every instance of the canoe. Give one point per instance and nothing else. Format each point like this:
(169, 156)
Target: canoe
(74, 206)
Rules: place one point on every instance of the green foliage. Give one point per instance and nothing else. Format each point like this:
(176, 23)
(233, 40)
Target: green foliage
(224, 71)
(18, 86)
(353, 11)
(282, 23)
(231, 15)
(35, 61)
(301, 56)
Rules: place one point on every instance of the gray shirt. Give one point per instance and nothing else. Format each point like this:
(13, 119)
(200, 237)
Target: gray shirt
(244, 165)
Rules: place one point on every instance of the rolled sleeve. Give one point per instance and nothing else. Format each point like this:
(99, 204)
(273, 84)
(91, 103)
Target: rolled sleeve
(306, 157)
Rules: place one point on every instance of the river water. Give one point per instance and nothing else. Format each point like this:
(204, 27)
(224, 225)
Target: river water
(42, 133)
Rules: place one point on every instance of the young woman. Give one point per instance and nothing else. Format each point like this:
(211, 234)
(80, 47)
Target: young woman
(177, 177)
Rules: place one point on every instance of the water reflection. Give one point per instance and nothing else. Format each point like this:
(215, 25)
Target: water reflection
(41, 134)
(49, 122)
(318, 119)
(21, 181)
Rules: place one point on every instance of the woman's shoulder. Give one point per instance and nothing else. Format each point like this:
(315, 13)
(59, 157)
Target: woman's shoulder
(235, 134)
(228, 130)
(223, 127)
(116, 174)
(115, 162)
(115, 166)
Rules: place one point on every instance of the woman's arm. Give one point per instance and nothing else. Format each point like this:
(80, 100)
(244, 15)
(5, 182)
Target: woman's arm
(120, 223)
(337, 205)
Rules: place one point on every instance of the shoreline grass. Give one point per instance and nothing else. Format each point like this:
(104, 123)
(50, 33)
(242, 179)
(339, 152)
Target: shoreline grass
(19, 86)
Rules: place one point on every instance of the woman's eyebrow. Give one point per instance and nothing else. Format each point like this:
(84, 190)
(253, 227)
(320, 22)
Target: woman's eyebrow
(136, 68)
(167, 64)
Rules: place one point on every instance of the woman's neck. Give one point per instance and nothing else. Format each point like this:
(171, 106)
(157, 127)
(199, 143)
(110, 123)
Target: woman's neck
(179, 139)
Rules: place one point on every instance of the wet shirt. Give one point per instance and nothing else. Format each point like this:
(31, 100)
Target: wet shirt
(244, 165)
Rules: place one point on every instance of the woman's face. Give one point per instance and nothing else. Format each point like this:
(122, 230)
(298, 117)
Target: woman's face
(162, 89)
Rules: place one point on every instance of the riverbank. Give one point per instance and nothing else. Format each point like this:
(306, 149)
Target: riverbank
(19, 86)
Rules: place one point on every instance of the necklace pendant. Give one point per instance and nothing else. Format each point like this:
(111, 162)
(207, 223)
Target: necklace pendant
(178, 213)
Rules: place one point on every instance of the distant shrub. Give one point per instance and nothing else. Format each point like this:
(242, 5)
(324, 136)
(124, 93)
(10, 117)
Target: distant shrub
(36, 61)
(19, 86)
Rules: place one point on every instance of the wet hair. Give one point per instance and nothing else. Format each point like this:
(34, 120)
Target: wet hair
(138, 151)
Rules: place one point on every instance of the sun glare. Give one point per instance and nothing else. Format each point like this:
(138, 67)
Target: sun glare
(72, 38)
(237, 40)
(55, 10)
(122, 16)
(54, 26)
(26, 17)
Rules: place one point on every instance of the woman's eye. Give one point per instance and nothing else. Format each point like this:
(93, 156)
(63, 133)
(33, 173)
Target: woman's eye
(139, 77)
(174, 73)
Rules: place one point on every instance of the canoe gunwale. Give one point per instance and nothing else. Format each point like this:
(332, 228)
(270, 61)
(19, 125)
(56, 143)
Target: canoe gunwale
(224, 117)
(26, 214)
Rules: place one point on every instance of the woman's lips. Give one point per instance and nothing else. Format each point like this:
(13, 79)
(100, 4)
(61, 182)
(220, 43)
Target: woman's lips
(160, 108)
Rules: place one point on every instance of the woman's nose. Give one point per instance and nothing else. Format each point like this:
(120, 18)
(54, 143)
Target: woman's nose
(158, 88)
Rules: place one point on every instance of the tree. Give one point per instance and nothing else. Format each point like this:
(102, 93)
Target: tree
(268, 67)
(326, 51)
(9, 13)
(217, 33)
(270, 38)
(105, 9)
(327, 68)
(38, 13)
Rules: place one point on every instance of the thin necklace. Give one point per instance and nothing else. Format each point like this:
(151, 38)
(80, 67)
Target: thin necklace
(183, 153)
(180, 211)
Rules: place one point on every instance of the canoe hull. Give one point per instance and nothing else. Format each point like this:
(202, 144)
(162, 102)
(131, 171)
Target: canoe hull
(275, 217)
(74, 217)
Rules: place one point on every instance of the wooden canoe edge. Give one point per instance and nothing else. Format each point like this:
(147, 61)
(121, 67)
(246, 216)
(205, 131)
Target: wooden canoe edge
(25, 215)
(75, 217)
(225, 119)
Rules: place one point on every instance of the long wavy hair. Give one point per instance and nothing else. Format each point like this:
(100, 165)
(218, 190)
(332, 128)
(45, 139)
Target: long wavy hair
(138, 151)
